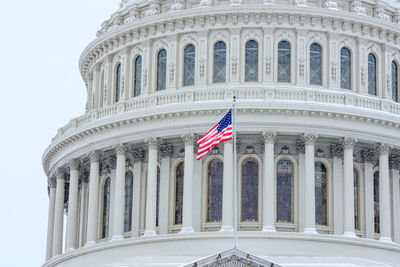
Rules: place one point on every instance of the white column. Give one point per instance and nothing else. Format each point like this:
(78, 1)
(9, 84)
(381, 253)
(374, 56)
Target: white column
(227, 191)
(84, 194)
(58, 214)
(394, 175)
(72, 219)
(119, 196)
(151, 196)
(384, 193)
(368, 156)
(337, 153)
(301, 151)
(163, 208)
(137, 183)
(93, 206)
(348, 187)
(50, 224)
(309, 184)
(269, 183)
(187, 216)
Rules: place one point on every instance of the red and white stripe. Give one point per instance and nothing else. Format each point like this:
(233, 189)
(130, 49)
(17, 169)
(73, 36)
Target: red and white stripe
(211, 139)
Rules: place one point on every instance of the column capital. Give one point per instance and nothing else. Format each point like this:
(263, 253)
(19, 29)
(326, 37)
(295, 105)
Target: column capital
(52, 182)
(348, 142)
(166, 150)
(94, 156)
(269, 137)
(309, 138)
(60, 173)
(138, 154)
(188, 139)
(337, 150)
(383, 149)
(73, 164)
(152, 142)
(121, 149)
(368, 155)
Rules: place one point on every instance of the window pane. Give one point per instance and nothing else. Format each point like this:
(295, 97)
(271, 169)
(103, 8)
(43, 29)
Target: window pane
(284, 187)
(395, 82)
(249, 191)
(371, 74)
(345, 68)
(138, 77)
(376, 203)
(251, 69)
(128, 201)
(284, 62)
(219, 62)
(321, 193)
(189, 65)
(179, 193)
(158, 195)
(161, 69)
(106, 208)
(315, 64)
(356, 199)
(118, 83)
(214, 191)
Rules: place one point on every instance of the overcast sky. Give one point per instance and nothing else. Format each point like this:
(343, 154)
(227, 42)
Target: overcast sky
(41, 90)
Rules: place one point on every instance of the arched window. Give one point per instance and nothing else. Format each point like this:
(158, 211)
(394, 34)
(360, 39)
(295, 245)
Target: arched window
(158, 195)
(284, 62)
(219, 62)
(315, 64)
(161, 69)
(189, 65)
(251, 67)
(321, 194)
(214, 191)
(249, 207)
(118, 83)
(284, 188)
(137, 84)
(356, 199)
(178, 193)
(345, 68)
(128, 201)
(376, 202)
(106, 208)
(371, 74)
(395, 82)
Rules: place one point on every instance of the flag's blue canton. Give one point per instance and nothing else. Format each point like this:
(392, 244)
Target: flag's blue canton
(227, 120)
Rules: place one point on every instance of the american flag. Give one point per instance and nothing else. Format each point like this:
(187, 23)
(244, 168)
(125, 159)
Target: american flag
(221, 132)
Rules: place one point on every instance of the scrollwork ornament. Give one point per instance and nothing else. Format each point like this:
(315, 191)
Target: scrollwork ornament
(73, 164)
(348, 142)
(269, 137)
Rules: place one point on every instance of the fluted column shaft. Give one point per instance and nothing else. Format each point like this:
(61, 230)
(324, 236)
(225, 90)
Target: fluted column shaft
(309, 184)
(58, 215)
(348, 186)
(50, 224)
(151, 196)
(269, 183)
(394, 161)
(119, 196)
(93, 205)
(384, 193)
(227, 191)
(72, 219)
(187, 216)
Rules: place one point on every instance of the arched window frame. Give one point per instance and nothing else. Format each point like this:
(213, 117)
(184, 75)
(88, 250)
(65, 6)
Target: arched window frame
(131, 198)
(395, 84)
(294, 188)
(291, 63)
(329, 194)
(309, 64)
(157, 76)
(340, 68)
(175, 167)
(117, 82)
(370, 92)
(256, 35)
(226, 62)
(289, 36)
(136, 92)
(101, 215)
(183, 64)
(259, 60)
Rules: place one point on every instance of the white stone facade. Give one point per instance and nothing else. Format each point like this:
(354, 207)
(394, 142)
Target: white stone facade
(151, 133)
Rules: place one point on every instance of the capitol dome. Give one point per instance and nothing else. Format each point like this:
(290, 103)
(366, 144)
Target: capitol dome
(318, 127)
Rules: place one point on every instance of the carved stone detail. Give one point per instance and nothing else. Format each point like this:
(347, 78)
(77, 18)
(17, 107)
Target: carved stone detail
(188, 139)
(94, 156)
(60, 173)
(337, 150)
(166, 150)
(179, 4)
(138, 154)
(171, 71)
(300, 3)
(368, 155)
(206, 3)
(152, 142)
(121, 149)
(349, 142)
(73, 164)
(309, 138)
(250, 150)
(333, 70)
(357, 8)
(269, 137)
(234, 65)
(268, 65)
(202, 66)
(331, 5)
(301, 149)
(383, 149)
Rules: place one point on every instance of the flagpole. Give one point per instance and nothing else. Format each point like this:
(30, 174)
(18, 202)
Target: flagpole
(235, 204)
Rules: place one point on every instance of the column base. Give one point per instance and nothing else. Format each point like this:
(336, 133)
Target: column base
(349, 234)
(312, 231)
(186, 230)
(386, 239)
(117, 237)
(90, 243)
(270, 229)
(150, 233)
(227, 228)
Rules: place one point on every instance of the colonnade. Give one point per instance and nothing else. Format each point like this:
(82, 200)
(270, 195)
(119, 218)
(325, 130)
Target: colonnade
(389, 205)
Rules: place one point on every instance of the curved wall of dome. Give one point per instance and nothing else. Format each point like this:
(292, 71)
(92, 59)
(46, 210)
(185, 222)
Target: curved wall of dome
(318, 118)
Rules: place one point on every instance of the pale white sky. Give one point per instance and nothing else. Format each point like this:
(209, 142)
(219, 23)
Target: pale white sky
(41, 90)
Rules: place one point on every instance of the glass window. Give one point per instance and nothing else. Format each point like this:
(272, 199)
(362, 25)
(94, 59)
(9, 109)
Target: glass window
(219, 62)
(106, 208)
(284, 62)
(118, 83)
(371, 74)
(315, 64)
(214, 191)
(128, 201)
(189, 65)
(356, 199)
(179, 193)
(376, 202)
(137, 85)
(321, 194)
(251, 68)
(161, 69)
(249, 207)
(395, 82)
(158, 195)
(284, 194)
(345, 68)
